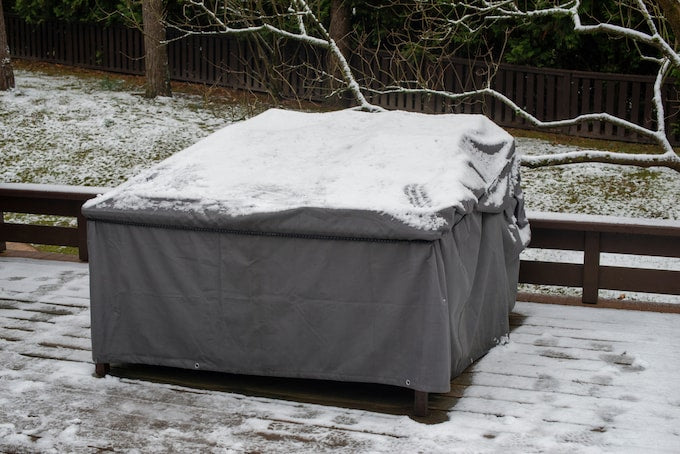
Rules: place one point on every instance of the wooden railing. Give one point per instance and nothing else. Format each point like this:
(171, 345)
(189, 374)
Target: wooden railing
(45, 199)
(597, 234)
(591, 234)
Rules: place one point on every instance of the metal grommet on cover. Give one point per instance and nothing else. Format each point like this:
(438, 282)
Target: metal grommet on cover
(196, 366)
(408, 382)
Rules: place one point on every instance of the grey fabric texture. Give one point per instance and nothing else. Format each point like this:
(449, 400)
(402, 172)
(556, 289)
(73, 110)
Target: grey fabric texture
(492, 174)
(405, 313)
(348, 295)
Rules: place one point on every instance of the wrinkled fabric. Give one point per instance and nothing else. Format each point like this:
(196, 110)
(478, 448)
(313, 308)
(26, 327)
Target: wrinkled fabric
(388, 175)
(405, 313)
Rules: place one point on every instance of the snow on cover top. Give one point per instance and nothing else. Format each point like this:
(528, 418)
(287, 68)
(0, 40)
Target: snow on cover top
(406, 165)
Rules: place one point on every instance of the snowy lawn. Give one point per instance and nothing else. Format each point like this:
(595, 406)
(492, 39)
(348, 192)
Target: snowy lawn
(67, 129)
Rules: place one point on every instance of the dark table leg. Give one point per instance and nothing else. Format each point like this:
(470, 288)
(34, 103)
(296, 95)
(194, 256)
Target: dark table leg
(101, 369)
(420, 403)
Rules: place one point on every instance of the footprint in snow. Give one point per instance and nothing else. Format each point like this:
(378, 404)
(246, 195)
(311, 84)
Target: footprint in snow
(624, 362)
(417, 195)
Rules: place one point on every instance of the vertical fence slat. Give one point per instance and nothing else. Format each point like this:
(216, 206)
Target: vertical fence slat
(637, 111)
(623, 111)
(520, 97)
(530, 106)
(540, 97)
(551, 91)
(585, 107)
(610, 107)
(598, 106)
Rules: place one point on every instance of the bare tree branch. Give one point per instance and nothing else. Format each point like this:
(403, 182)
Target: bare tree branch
(433, 32)
(224, 20)
(474, 15)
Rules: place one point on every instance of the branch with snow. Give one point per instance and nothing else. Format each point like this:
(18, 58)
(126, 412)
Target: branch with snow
(299, 22)
(225, 20)
(474, 15)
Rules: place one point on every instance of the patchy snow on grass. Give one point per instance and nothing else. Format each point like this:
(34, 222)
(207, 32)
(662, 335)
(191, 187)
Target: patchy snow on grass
(71, 130)
(600, 189)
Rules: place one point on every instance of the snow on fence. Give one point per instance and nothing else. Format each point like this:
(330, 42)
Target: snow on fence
(549, 94)
(592, 234)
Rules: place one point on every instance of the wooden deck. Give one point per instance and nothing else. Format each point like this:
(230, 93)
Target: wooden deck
(571, 379)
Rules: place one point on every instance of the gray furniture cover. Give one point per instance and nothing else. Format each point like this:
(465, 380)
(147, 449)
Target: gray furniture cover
(352, 246)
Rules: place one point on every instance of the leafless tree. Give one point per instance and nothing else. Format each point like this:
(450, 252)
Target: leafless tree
(440, 21)
(6, 72)
(655, 39)
(293, 19)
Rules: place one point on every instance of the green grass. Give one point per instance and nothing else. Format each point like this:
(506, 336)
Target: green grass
(67, 250)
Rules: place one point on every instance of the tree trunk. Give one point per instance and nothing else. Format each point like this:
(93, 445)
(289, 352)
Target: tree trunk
(341, 25)
(156, 53)
(6, 72)
(339, 30)
(671, 11)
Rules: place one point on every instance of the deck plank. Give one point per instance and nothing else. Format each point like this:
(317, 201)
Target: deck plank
(570, 379)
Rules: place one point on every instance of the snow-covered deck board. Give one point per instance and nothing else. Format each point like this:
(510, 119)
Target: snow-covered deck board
(571, 379)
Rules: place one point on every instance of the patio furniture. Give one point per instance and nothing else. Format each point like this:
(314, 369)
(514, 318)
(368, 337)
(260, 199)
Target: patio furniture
(351, 246)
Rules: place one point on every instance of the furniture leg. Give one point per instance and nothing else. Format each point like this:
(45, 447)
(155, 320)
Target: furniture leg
(101, 369)
(420, 403)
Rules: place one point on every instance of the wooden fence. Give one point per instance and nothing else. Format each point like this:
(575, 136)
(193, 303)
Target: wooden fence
(591, 234)
(549, 94)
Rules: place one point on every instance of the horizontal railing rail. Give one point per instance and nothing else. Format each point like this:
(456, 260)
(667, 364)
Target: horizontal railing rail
(567, 232)
(47, 200)
(602, 234)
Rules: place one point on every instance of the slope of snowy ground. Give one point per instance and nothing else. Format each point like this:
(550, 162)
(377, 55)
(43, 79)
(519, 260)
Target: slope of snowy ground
(69, 130)
(570, 380)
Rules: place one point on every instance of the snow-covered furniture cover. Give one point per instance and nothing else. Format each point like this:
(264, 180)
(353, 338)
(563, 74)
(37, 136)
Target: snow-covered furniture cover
(353, 246)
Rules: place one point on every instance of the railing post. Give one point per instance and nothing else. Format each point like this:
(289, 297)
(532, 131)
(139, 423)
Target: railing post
(3, 245)
(591, 267)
